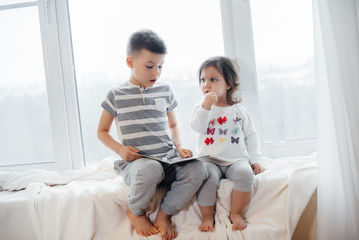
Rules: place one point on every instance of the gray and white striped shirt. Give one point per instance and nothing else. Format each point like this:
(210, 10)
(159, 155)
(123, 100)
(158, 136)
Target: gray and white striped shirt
(141, 116)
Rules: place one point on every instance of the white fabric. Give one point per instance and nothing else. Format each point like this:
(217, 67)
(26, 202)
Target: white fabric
(20, 180)
(96, 209)
(337, 73)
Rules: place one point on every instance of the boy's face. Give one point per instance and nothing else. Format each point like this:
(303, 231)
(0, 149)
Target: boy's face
(146, 67)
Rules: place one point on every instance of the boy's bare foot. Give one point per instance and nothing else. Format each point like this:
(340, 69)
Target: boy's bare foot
(238, 222)
(142, 224)
(207, 224)
(162, 222)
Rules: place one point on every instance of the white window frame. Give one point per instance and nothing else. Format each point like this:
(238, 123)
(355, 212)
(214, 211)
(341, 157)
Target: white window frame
(239, 45)
(61, 87)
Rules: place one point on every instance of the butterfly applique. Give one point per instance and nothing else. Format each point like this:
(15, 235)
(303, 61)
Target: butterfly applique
(235, 140)
(224, 132)
(221, 120)
(222, 139)
(235, 130)
(209, 141)
(213, 121)
(236, 120)
(210, 131)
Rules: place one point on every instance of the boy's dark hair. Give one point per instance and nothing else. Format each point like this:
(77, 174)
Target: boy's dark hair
(228, 69)
(145, 39)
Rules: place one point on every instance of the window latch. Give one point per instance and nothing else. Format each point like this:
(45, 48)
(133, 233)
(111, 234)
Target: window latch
(47, 10)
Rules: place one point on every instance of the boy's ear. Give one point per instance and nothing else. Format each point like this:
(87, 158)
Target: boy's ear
(129, 61)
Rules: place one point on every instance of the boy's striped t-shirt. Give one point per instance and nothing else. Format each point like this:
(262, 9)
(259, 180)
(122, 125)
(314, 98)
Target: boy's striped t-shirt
(141, 116)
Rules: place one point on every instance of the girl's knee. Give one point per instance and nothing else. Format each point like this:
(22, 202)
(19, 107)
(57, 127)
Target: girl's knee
(244, 181)
(242, 173)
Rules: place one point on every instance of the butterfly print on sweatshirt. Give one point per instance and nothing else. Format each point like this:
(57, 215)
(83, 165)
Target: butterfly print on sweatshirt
(210, 131)
(236, 120)
(221, 120)
(235, 140)
(209, 141)
(224, 132)
(235, 130)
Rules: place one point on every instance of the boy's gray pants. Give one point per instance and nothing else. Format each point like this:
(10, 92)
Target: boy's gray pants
(143, 176)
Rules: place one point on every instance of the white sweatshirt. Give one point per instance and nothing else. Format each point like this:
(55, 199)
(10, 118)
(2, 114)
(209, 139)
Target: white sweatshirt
(227, 133)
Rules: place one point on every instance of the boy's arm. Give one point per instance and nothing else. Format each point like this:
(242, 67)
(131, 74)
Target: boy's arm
(127, 153)
(175, 135)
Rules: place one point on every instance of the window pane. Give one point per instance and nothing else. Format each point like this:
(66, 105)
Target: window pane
(192, 33)
(25, 121)
(283, 38)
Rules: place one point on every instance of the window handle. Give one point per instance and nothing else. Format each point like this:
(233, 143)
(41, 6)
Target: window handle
(47, 10)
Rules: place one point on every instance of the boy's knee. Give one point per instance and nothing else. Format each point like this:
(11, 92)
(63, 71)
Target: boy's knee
(197, 171)
(152, 171)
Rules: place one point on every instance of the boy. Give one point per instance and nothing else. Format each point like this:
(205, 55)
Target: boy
(143, 112)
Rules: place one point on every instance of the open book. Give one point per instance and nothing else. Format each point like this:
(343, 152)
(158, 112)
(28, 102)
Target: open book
(205, 158)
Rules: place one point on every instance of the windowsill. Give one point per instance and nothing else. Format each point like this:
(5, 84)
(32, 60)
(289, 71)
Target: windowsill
(290, 148)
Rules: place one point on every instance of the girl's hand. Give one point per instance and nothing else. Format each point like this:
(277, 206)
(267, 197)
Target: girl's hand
(209, 99)
(257, 168)
(128, 153)
(185, 153)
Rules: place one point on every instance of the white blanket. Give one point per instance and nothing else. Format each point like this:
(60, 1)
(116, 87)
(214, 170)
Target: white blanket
(91, 204)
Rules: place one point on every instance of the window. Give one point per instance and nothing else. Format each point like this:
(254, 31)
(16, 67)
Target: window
(41, 100)
(39, 123)
(25, 122)
(273, 44)
(284, 52)
(191, 31)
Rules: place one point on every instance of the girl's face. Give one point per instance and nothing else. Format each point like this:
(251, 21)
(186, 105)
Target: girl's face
(213, 81)
(146, 67)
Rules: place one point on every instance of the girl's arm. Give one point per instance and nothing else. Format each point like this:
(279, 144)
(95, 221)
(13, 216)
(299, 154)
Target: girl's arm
(200, 119)
(175, 135)
(127, 153)
(251, 140)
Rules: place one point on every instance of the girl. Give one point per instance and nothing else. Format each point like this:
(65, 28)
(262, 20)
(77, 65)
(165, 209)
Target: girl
(226, 131)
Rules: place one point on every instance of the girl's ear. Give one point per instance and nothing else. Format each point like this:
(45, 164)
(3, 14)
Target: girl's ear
(129, 61)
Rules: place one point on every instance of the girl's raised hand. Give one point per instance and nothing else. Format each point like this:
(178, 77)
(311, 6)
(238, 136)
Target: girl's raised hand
(209, 99)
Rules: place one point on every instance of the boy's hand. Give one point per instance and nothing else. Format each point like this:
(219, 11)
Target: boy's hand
(185, 153)
(209, 99)
(257, 168)
(128, 153)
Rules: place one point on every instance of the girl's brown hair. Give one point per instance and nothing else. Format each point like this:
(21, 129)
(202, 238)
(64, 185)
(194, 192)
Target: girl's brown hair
(228, 69)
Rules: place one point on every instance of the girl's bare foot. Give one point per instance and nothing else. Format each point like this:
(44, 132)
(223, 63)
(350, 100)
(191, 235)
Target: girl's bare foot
(207, 224)
(142, 224)
(238, 222)
(162, 222)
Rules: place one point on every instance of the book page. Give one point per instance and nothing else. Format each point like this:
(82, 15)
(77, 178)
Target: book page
(205, 158)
